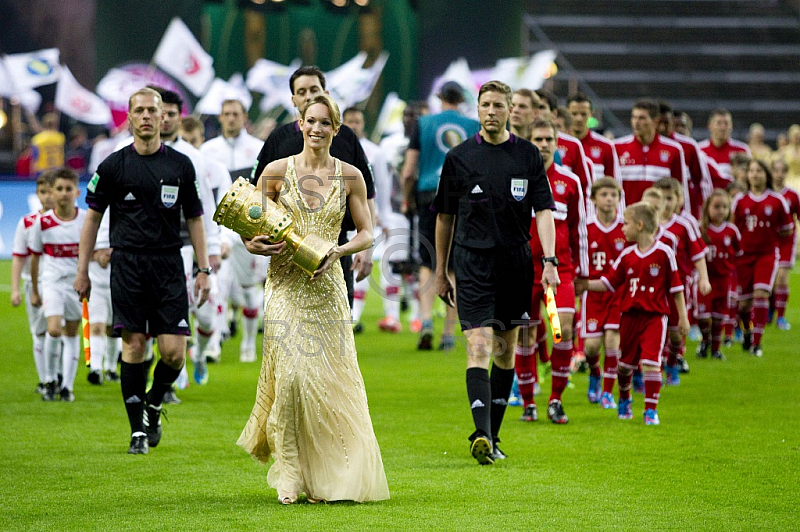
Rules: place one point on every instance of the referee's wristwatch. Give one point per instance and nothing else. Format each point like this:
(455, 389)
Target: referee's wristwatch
(551, 260)
(206, 271)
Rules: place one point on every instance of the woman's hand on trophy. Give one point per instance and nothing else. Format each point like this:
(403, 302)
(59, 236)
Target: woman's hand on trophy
(330, 259)
(261, 245)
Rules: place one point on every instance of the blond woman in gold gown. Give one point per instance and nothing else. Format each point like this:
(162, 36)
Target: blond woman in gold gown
(311, 414)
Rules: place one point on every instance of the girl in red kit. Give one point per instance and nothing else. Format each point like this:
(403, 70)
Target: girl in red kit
(788, 245)
(722, 239)
(762, 216)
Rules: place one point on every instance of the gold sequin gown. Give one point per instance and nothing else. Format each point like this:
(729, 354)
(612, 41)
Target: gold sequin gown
(311, 412)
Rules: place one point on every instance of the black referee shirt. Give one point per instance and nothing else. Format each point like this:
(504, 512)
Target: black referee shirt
(287, 140)
(493, 189)
(146, 194)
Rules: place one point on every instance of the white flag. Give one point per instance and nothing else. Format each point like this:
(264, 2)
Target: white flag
(342, 81)
(525, 72)
(221, 90)
(390, 119)
(180, 55)
(272, 80)
(366, 81)
(459, 72)
(79, 103)
(33, 69)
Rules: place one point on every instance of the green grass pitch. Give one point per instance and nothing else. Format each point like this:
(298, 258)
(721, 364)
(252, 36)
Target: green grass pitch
(726, 456)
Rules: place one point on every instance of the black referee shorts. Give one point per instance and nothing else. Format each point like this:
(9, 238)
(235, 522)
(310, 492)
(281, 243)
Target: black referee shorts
(148, 294)
(493, 286)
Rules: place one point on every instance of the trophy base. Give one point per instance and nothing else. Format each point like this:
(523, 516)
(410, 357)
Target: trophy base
(311, 253)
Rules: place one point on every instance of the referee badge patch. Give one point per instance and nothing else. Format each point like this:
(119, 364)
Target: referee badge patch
(169, 195)
(92, 186)
(519, 187)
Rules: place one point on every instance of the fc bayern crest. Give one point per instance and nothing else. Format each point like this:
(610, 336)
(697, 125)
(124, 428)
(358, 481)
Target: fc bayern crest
(727, 241)
(592, 325)
(619, 245)
(654, 269)
(768, 210)
(596, 152)
(519, 187)
(664, 156)
(561, 188)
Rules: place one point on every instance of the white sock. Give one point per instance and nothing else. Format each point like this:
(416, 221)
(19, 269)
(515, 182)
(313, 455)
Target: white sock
(359, 298)
(249, 332)
(391, 298)
(52, 352)
(113, 347)
(38, 357)
(97, 346)
(69, 360)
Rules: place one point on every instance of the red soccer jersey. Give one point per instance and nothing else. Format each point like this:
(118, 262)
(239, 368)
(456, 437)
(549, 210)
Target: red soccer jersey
(688, 248)
(723, 248)
(574, 158)
(761, 220)
(793, 199)
(699, 180)
(641, 166)
(570, 222)
(601, 154)
(605, 245)
(721, 155)
(648, 278)
(719, 178)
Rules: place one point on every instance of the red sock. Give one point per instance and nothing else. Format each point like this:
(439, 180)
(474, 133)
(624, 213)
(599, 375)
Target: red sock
(560, 364)
(610, 369)
(624, 376)
(781, 298)
(541, 339)
(525, 366)
(729, 328)
(652, 389)
(760, 310)
(716, 334)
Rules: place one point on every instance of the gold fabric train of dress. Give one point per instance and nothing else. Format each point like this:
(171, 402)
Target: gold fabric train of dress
(311, 412)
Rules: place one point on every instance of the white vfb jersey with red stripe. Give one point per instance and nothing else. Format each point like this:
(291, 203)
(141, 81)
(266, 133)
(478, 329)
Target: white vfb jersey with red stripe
(57, 240)
(641, 166)
(22, 237)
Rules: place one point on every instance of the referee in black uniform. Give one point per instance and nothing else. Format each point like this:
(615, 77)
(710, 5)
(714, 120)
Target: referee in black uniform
(491, 183)
(286, 140)
(147, 185)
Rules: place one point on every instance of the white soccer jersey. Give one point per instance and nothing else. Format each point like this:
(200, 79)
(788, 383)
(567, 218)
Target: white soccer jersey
(22, 236)
(57, 240)
(237, 154)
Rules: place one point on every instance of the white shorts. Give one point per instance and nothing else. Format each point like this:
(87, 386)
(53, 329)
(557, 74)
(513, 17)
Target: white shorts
(100, 310)
(37, 323)
(60, 299)
(248, 269)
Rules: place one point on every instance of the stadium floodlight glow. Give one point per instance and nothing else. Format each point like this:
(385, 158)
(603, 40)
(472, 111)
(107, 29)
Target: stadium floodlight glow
(339, 3)
(259, 2)
(362, 3)
(3, 119)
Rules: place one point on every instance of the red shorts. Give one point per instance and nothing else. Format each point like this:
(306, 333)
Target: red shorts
(601, 312)
(787, 253)
(716, 303)
(642, 336)
(565, 297)
(756, 272)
